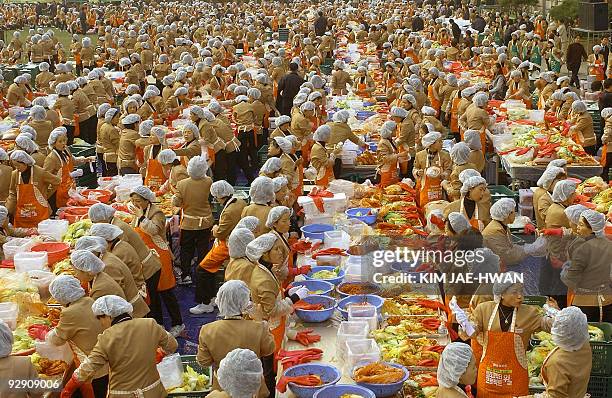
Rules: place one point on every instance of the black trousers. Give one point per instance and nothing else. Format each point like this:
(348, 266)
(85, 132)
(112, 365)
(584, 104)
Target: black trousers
(575, 80)
(606, 170)
(593, 313)
(111, 169)
(128, 170)
(269, 375)
(224, 167)
(247, 155)
(337, 168)
(206, 287)
(102, 163)
(87, 130)
(194, 245)
(169, 299)
(591, 150)
(70, 134)
(100, 388)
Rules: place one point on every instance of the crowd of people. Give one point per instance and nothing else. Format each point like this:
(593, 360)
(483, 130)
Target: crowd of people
(182, 67)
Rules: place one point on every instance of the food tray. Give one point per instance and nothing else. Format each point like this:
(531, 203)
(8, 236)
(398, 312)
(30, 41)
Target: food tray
(190, 360)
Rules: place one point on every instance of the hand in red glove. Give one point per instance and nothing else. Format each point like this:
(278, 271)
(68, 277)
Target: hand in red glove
(71, 387)
(87, 391)
(38, 332)
(159, 355)
(306, 337)
(306, 380)
(304, 269)
(529, 229)
(553, 231)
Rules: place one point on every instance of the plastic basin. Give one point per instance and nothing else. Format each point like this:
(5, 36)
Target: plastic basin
(338, 390)
(316, 231)
(56, 251)
(368, 219)
(387, 390)
(333, 281)
(372, 288)
(316, 285)
(317, 316)
(102, 195)
(329, 374)
(376, 301)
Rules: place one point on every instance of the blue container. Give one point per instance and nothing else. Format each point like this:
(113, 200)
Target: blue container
(314, 285)
(387, 390)
(316, 231)
(373, 287)
(317, 316)
(340, 389)
(330, 375)
(368, 219)
(376, 301)
(333, 281)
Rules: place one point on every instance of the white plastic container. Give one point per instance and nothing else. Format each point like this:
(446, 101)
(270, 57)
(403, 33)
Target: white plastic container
(352, 273)
(322, 218)
(17, 245)
(53, 229)
(42, 279)
(342, 186)
(337, 204)
(536, 115)
(29, 261)
(360, 352)
(348, 331)
(526, 211)
(9, 313)
(364, 313)
(54, 352)
(170, 371)
(339, 239)
(526, 197)
(329, 260)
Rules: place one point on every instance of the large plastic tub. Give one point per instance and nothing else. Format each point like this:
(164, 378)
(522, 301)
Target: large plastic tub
(390, 389)
(317, 316)
(16, 245)
(337, 204)
(8, 313)
(361, 352)
(329, 374)
(54, 229)
(56, 251)
(29, 261)
(356, 330)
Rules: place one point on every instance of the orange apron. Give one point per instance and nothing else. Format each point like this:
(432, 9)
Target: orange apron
(604, 155)
(390, 176)
(598, 70)
(435, 103)
(476, 346)
(274, 89)
(306, 147)
(475, 222)
(430, 190)
(299, 190)
(403, 164)
(454, 121)
(139, 152)
(77, 127)
(501, 374)
(277, 330)
(61, 194)
(329, 174)
(215, 256)
(154, 175)
(31, 207)
(166, 279)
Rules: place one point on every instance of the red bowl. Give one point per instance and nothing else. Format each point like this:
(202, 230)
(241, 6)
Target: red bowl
(74, 214)
(102, 195)
(56, 251)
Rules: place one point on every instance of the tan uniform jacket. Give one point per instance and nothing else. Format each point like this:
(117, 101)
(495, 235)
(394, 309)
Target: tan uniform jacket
(229, 217)
(265, 292)
(339, 81)
(477, 159)
(556, 218)
(130, 369)
(109, 138)
(83, 107)
(127, 254)
(15, 96)
(261, 212)
(483, 211)
(319, 159)
(454, 192)
(289, 170)
(6, 173)
(259, 111)
(43, 81)
(18, 368)
(116, 269)
(497, 238)
(567, 372)
(606, 138)
(192, 197)
(239, 269)
(43, 130)
(443, 161)
(300, 126)
(218, 338)
(541, 202)
(475, 118)
(584, 126)
(189, 150)
(341, 132)
(127, 149)
(150, 262)
(103, 285)
(225, 132)
(244, 116)
(66, 109)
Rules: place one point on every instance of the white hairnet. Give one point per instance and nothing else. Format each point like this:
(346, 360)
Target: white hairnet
(262, 190)
(388, 129)
(430, 138)
(91, 243)
(193, 128)
(221, 189)
(66, 289)
(579, 107)
(143, 192)
(196, 167)
(110, 114)
(470, 183)
(341, 116)
(6, 340)
(563, 190)
(24, 142)
(595, 219)
(240, 373)
(570, 329)
(458, 222)
(166, 156)
(472, 139)
(38, 113)
(56, 133)
(132, 118)
(284, 144)
(249, 222)
(101, 212)
(3, 155)
(460, 153)
(159, 132)
(28, 131)
(239, 239)
(504, 283)
(283, 119)
(144, 129)
(428, 111)
(549, 175)
(112, 306)
(275, 214)
(262, 244)
(399, 112)
(606, 112)
(3, 214)
(574, 212)
(557, 163)
(490, 263)
(86, 261)
(480, 100)
(22, 157)
(322, 133)
(453, 363)
(233, 298)
(279, 183)
(272, 165)
(108, 232)
(502, 209)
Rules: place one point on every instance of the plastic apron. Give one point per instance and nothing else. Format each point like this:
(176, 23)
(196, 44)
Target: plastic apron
(154, 175)
(598, 70)
(32, 207)
(454, 121)
(61, 194)
(326, 179)
(299, 190)
(390, 176)
(429, 189)
(219, 251)
(474, 342)
(604, 155)
(501, 374)
(166, 279)
(435, 103)
(277, 325)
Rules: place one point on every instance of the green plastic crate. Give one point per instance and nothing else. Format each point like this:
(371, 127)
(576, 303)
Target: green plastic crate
(82, 150)
(602, 351)
(190, 360)
(535, 300)
(501, 191)
(600, 387)
(262, 155)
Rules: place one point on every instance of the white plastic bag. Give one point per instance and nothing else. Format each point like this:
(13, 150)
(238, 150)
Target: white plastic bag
(170, 371)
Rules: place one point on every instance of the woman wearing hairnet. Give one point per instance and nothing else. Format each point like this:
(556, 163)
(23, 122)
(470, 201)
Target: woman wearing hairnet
(151, 169)
(173, 169)
(432, 165)
(388, 155)
(283, 123)
(322, 162)
(279, 222)
(126, 155)
(42, 125)
(64, 106)
(291, 163)
(505, 326)
(457, 366)
(29, 191)
(244, 118)
(262, 195)
(460, 155)
(232, 331)
(406, 118)
(363, 84)
(239, 375)
(85, 113)
(150, 223)
(582, 128)
(192, 146)
(177, 102)
(542, 195)
(60, 161)
(476, 117)
(108, 138)
(89, 269)
(340, 131)
(240, 267)
(131, 371)
(24, 143)
(116, 269)
(271, 168)
(606, 141)
(589, 261)
(6, 172)
(518, 88)
(474, 203)
(14, 367)
(77, 326)
(477, 158)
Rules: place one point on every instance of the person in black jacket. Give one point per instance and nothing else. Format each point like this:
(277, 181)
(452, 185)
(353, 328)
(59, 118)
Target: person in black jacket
(417, 24)
(320, 25)
(288, 87)
(455, 28)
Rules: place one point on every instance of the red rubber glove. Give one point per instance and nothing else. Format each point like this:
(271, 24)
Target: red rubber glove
(529, 229)
(304, 269)
(553, 231)
(70, 387)
(159, 355)
(38, 332)
(87, 391)
(306, 337)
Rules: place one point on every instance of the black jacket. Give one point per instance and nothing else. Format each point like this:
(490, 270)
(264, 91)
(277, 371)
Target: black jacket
(288, 87)
(320, 26)
(417, 24)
